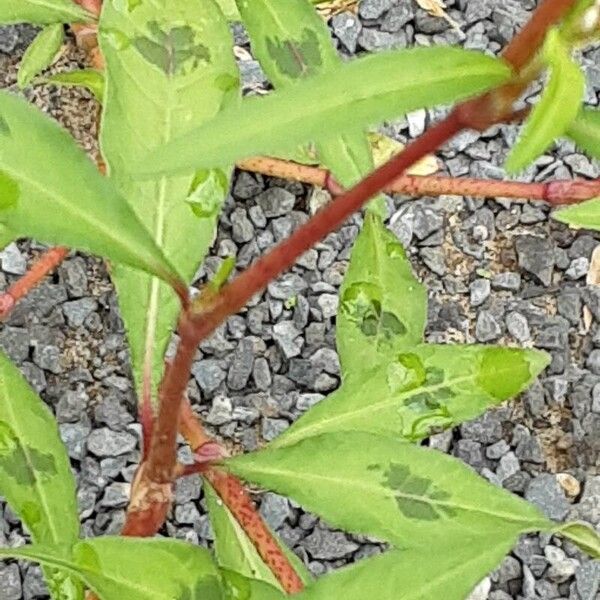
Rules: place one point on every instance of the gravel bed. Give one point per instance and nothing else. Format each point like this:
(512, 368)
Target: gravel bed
(496, 271)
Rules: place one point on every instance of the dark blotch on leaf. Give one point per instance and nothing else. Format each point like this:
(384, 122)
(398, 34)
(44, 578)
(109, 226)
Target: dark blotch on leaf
(4, 127)
(174, 51)
(417, 496)
(296, 58)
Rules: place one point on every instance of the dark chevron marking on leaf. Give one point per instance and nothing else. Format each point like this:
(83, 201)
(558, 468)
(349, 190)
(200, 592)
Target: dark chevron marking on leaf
(362, 303)
(21, 463)
(297, 58)
(174, 51)
(417, 495)
(4, 127)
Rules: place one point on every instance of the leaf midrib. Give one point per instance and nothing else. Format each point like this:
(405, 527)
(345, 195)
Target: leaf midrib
(377, 491)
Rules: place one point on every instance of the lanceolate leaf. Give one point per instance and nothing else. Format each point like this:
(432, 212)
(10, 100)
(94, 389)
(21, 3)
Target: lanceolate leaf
(42, 12)
(292, 42)
(35, 474)
(421, 390)
(401, 493)
(133, 569)
(557, 108)
(584, 535)
(383, 307)
(585, 131)
(586, 214)
(68, 202)
(239, 587)
(40, 54)
(448, 569)
(91, 79)
(169, 68)
(235, 551)
(365, 91)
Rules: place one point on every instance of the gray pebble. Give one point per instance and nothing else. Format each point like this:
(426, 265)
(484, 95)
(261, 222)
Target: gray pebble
(487, 327)
(545, 492)
(105, 442)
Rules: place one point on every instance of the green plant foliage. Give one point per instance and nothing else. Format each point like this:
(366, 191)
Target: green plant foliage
(401, 493)
(235, 552)
(393, 383)
(586, 214)
(364, 91)
(42, 12)
(40, 54)
(91, 79)
(69, 203)
(422, 391)
(292, 42)
(585, 131)
(133, 568)
(557, 109)
(163, 79)
(584, 536)
(239, 587)
(383, 307)
(448, 569)
(35, 474)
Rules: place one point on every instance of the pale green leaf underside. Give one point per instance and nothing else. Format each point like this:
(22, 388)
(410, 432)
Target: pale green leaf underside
(584, 215)
(90, 79)
(449, 569)
(557, 108)
(133, 569)
(235, 551)
(383, 307)
(35, 473)
(292, 42)
(585, 131)
(584, 535)
(421, 390)
(68, 202)
(363, 92)
(40, 54)
(398, 492)
(42, 12)
(163, 79)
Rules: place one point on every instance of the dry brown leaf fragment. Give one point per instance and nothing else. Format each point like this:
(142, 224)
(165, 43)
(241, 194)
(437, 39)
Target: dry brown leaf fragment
(437, 8)
(329, 8)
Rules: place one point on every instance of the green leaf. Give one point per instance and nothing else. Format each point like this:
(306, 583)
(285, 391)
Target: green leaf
(557, 108)
(383, 307)
(90, 79)
(42, 12)
(585, 131)
(401, 493)
(40, 54)
(70, 203)
(449, 569)
(239, 587)
(292, 42)
(163, 79)
(586, 214)
(235, 551)
(584, 536)
(229, 9)
(421, 390)
(6, 237)
(35, 473)
(364, 91)
(133, 569)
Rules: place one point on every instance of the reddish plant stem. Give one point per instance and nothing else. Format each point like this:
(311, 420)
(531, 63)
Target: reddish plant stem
(236, 294)
(234, 496)
(42, 267)
(555, 192)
